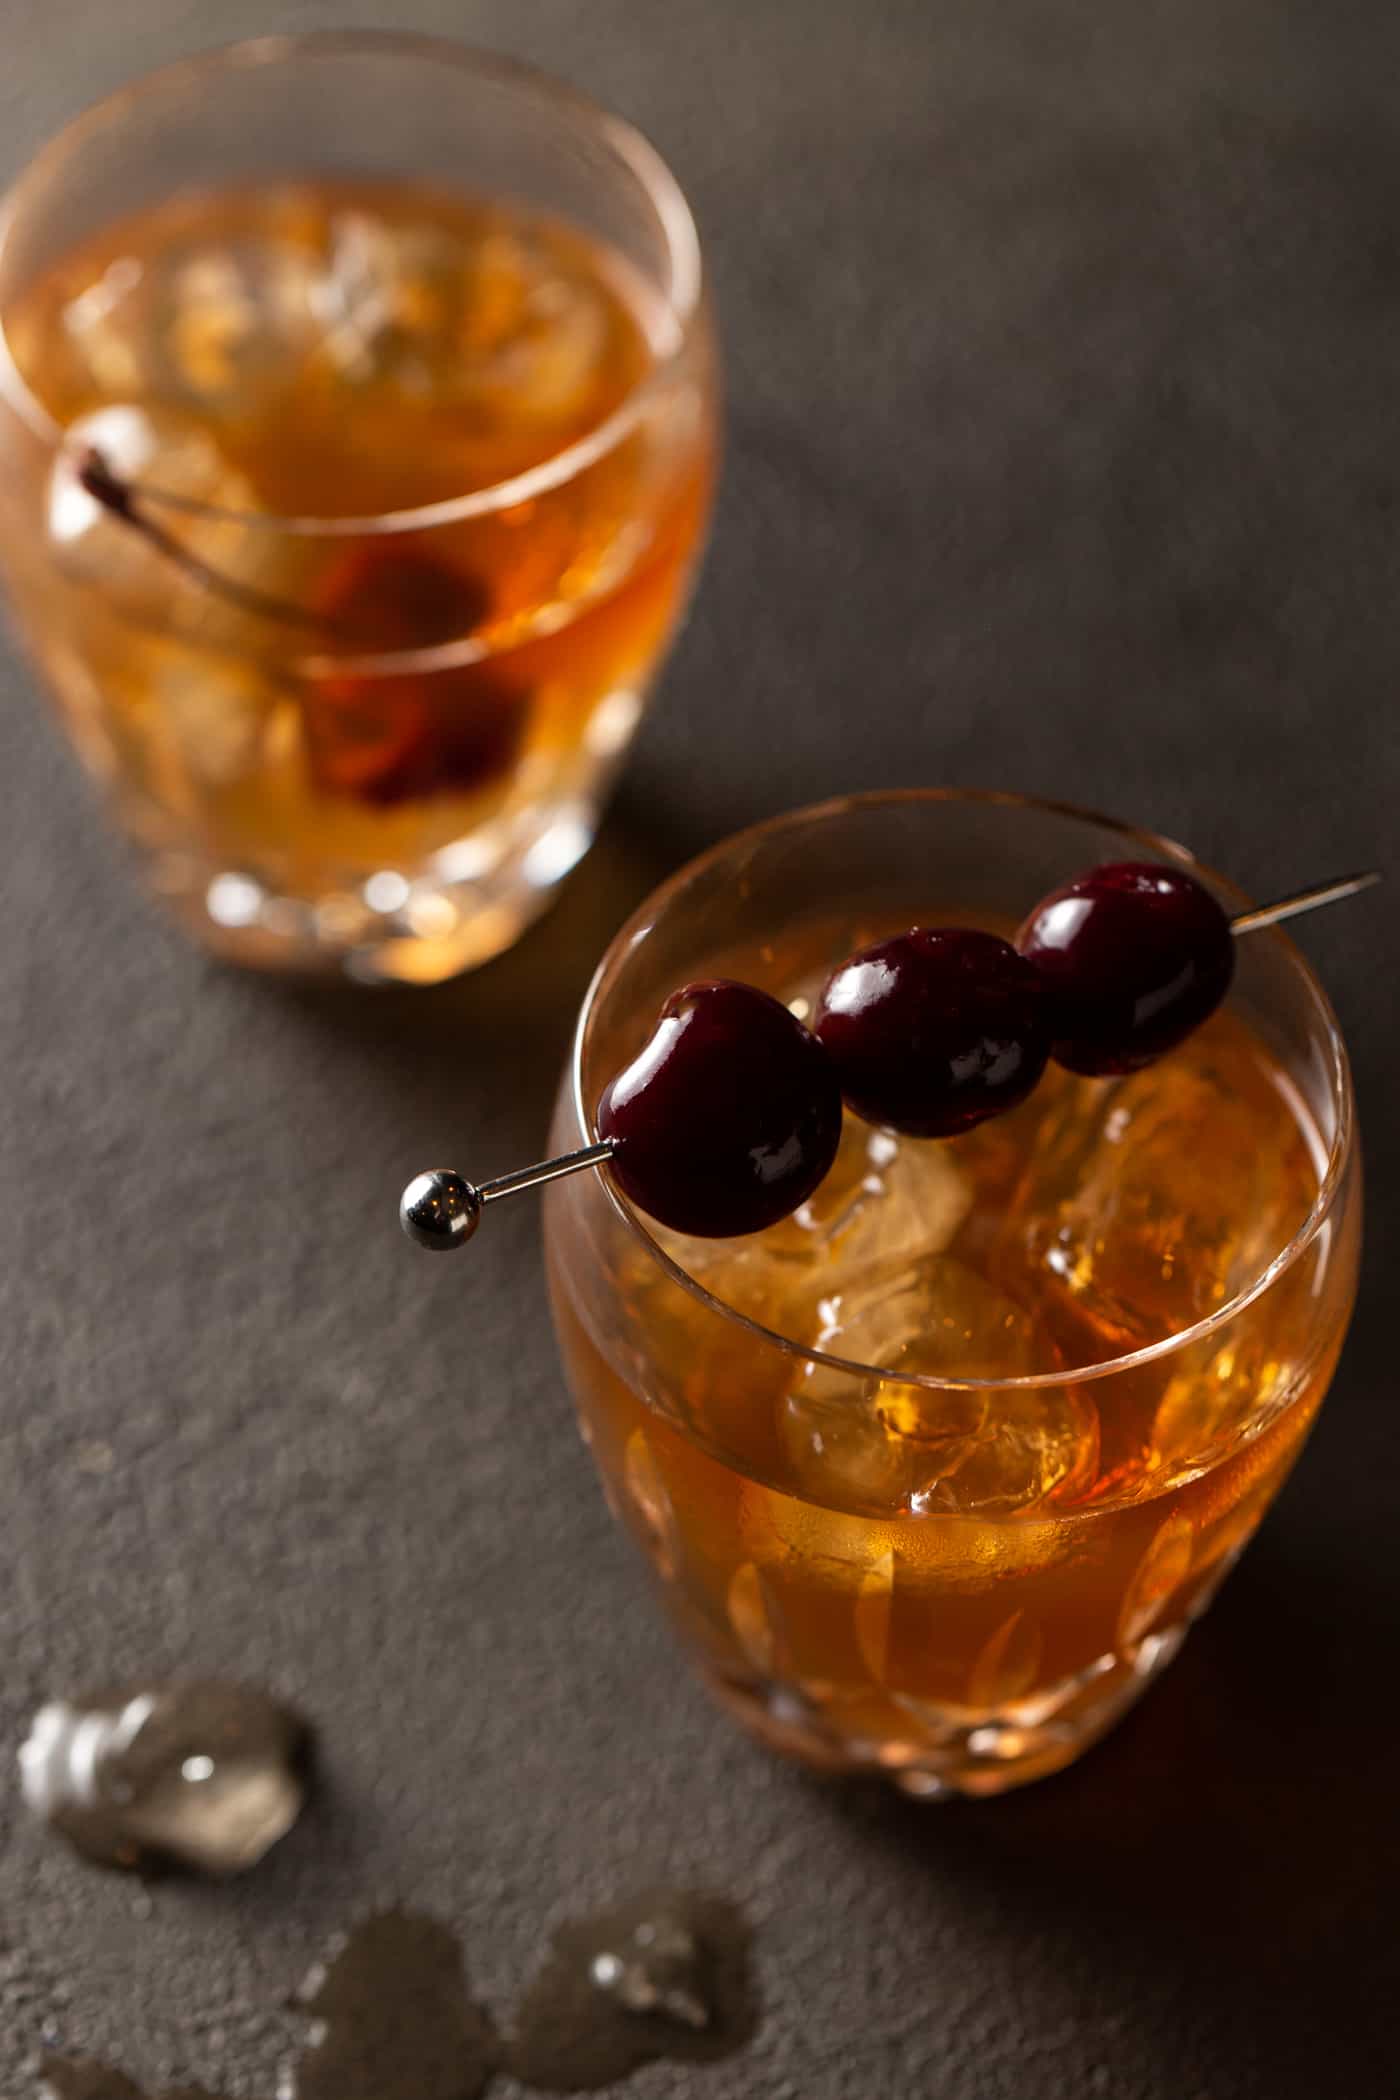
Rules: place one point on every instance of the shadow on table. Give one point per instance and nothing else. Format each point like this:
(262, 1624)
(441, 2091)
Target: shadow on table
(1238, 1837)
(513, 1019)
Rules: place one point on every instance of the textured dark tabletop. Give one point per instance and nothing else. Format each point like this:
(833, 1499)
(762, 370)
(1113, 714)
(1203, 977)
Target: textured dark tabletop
(1064, 364)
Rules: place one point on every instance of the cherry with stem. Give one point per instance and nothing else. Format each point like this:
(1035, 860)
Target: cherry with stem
(98, 479)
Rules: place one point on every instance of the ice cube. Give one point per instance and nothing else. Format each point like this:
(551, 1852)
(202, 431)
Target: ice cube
(500, 326)
(210, 1775)
(1149, 1201)
(196, 325)
(1039, 1445)
(107, 333)
(217, 712)
(881, 1444)
(234, 320)
(386, 302)
(885, 1200)
(547, 368)
(841, 1452)
(1231, 1383)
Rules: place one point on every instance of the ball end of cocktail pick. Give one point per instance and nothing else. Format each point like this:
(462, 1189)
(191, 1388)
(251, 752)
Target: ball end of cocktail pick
(440, 1210)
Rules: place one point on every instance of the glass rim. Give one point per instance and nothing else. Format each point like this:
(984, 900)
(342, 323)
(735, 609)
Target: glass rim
(685, 294)
(659, 900)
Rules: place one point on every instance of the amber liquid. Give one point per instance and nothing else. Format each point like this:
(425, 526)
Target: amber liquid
(964, 1586)
(315, 705)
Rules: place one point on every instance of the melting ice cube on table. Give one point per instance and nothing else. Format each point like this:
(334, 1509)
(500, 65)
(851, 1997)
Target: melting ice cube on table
(207, 1775)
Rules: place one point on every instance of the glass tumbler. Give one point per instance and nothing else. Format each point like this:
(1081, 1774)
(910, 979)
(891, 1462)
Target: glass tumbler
(933, 1477)
(357, 429)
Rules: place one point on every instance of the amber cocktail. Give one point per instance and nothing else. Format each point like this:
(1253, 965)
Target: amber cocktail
(357, 423)
(935, 1474)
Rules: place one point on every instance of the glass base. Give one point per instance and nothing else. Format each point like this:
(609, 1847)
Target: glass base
(946, 1751)
(474, 899)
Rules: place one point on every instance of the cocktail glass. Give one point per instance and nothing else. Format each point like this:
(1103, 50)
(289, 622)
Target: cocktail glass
(357, 426)
(934, 1476)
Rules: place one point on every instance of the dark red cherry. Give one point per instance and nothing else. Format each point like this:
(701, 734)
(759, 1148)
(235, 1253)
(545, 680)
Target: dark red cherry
(383, 595)
(1133, 957)
(391, 736)
(729, 1116)
(934, 1030)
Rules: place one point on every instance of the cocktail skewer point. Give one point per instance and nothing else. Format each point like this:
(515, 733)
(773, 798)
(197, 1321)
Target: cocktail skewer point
(1304, 900)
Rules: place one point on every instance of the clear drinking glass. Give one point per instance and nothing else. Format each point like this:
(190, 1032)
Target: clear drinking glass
(935, 1476)
(395, 363)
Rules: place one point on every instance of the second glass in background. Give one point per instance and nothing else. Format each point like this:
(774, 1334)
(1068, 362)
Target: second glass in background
(404, 351)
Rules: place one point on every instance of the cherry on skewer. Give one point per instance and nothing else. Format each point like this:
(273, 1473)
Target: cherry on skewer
(725, 1121)
(1134, 956)
(728, 1117)
(935, 1030)
(673, 1100)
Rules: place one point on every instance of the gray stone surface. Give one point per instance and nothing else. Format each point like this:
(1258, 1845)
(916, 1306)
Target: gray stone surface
(1063, 347)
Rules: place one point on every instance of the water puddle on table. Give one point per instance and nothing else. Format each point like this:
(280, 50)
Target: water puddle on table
(665, 1974)
(393, 2019)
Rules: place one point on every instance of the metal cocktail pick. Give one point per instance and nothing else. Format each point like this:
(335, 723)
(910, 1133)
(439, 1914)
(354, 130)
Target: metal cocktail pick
(441, 1210)
(1304, 900)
